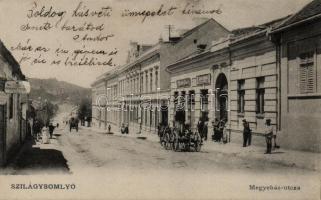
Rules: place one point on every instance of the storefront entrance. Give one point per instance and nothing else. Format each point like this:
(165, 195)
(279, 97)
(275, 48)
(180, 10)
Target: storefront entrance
(221, 87)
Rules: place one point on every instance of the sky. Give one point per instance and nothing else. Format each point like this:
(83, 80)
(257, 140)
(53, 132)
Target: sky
(14, 14)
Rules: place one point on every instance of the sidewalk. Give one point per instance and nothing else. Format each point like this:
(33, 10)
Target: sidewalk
(283, 157)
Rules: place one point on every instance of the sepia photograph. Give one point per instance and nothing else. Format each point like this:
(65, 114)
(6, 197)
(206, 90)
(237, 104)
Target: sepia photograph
(160, 99)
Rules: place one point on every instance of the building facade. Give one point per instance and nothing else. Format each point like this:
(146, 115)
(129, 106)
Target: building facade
(13, 106)
(235, 79)
(298, 42)
(134, 94)
(270, 71)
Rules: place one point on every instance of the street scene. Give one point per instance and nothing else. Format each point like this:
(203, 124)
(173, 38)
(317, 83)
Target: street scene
(87, 149)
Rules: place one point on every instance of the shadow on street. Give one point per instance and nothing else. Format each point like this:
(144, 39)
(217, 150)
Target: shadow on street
(35, 160)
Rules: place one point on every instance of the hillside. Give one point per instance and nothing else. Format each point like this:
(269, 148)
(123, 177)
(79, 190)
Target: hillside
(57, 91)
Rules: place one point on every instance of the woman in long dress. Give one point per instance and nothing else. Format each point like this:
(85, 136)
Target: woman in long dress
(45, 134)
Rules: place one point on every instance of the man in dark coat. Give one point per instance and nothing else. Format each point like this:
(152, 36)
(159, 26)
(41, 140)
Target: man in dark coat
(205, 131)
(51, 129)
(246, 133)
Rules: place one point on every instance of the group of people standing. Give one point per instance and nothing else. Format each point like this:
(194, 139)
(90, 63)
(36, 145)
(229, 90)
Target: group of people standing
(43, 131)
(219, 131)
(269, 134)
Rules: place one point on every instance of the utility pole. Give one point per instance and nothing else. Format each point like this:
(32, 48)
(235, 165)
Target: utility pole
(169, 27)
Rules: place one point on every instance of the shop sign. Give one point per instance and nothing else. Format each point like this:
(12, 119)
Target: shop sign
(20, 87)
(183, 83)
(204, 79)
(194, 82)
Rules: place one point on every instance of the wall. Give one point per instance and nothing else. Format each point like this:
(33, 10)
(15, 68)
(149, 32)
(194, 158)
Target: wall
(204, 34)
(300, 123)
(252, 59)
(15, 133)
(97, 112)
(198, 65)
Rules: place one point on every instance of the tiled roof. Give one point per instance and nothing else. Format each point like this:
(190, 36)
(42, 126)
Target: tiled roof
(242, 32)
(190, 31)
(310, 10)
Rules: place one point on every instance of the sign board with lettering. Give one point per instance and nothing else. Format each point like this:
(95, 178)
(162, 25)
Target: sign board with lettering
(183, 83)
(20, 87)
(204, 79)
(194, 82)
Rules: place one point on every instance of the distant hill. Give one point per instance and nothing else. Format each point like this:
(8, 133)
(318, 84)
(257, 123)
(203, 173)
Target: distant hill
(57, 91)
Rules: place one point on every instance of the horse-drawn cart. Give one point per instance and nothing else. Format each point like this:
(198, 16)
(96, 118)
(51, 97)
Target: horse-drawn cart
(180, 141)
(187, 141)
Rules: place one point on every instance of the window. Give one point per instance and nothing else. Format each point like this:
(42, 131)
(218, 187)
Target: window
(191, 100)
(156, 79)
(146, 80)
(151, 82)
(307, 73)
(240, 96)
(175, 100)
(11, 106)
(260, 95)
(204, 100)
(204, 105)
(141, 82)
(182, 100)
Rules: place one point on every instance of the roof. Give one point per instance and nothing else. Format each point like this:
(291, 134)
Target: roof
(244, 32)
(311, 10)
(190, 31)
(11, 61)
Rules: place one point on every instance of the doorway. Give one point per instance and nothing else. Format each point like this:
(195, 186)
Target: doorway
(221, 88)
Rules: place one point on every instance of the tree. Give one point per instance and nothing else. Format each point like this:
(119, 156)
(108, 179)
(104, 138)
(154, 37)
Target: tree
(84, 110)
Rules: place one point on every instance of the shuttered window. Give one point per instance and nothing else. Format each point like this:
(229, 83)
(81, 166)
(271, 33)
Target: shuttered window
(307, 74)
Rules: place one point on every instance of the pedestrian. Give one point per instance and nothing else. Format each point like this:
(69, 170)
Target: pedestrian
(274, 139)
(225, 138)
(215, 124)
(268, 136)
(200, 127)
(246, 132)
(51, 128)
(57, 125)
(109, 128)
(37, 129)
(122, 128)
(45, 134)
(126, 129)
(220, 130)
(205, 131)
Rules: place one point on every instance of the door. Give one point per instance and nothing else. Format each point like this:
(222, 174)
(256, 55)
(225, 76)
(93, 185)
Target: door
(3, 109)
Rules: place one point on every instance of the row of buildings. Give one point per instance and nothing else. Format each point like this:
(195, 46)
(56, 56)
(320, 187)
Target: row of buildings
(271, 71)
(14, 89)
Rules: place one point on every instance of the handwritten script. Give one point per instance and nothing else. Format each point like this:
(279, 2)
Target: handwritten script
(89, 36)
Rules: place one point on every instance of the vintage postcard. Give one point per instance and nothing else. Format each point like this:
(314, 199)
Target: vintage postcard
(160, 99)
